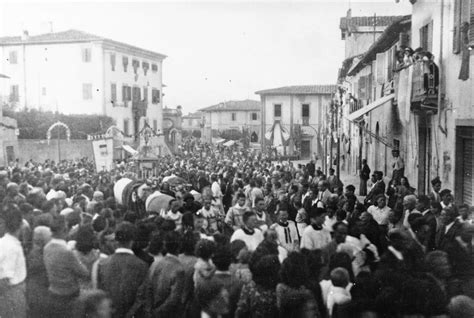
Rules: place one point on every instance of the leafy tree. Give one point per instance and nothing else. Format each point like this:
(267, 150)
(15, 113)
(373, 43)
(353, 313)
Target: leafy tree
(33, 123)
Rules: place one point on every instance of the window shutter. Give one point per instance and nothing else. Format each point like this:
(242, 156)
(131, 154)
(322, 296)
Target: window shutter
(362, 88)
(124, 93)
(404, 39)
(457, 27)
(471, 25)
(430, 37)
(129, 93)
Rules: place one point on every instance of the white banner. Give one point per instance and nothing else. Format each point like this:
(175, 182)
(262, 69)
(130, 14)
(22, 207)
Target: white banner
(103, 154)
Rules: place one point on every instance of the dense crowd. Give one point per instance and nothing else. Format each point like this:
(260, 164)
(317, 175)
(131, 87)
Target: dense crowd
(242, 237)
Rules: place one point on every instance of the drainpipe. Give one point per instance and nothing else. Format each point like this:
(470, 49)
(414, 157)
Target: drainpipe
(440, 82)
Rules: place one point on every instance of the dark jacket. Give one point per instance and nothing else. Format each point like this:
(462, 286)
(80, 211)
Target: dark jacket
(378, 188)
(167, 287)
(120, 276)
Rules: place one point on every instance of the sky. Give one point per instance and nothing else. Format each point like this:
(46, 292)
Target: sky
(217, 50)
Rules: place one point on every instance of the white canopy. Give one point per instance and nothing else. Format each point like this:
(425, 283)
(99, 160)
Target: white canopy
(130, 150)
(229, 143)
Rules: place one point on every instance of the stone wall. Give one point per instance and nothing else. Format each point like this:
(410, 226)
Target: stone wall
(40, 150)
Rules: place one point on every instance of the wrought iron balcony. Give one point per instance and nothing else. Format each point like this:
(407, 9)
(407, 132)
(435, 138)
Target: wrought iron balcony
(425, 81)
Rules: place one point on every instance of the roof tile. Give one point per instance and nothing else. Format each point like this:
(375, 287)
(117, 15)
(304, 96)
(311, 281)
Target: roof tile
(247, 105)
(300, 90)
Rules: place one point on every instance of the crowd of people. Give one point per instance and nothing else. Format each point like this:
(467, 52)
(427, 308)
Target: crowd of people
(242, 237)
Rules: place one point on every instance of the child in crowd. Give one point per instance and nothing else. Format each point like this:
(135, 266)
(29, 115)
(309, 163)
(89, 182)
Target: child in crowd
(204, 269)
(338, 293)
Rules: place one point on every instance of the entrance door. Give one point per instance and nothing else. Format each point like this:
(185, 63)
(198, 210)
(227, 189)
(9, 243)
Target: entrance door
(10, 154)
(305, 149)
(464, 165)
(424, 161)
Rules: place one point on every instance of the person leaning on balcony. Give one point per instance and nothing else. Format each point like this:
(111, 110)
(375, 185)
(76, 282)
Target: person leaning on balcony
(364, 176)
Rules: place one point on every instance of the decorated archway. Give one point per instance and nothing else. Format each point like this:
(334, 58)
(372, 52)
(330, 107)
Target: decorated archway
(58, 125)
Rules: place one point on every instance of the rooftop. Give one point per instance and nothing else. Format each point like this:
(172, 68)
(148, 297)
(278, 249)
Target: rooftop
(70, 36)
(300, 90)
(367, 21)
(193, 115)
(247, 105)
(388, 38)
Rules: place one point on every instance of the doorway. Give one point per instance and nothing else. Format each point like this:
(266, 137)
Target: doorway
(305, 149)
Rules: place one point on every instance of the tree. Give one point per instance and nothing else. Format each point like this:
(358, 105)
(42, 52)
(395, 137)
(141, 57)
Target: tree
(33, 123)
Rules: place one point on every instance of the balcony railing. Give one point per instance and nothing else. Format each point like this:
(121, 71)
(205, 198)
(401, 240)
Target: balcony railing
(425, 83)
(139, 108)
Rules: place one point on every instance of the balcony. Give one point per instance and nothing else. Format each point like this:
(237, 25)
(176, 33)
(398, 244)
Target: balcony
(305, 121)
(425, 81)
(139, 108)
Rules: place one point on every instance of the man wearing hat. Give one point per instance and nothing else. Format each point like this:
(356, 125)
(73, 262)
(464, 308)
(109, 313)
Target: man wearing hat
(435, 188)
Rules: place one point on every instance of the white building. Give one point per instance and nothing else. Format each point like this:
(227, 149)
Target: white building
(192, 124)
(78, 72)
(293, 117)
(233, 120)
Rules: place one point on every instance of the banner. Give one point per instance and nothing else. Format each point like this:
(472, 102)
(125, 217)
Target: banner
(103, 154)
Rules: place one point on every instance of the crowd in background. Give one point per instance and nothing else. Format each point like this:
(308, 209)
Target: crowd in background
(242, 237)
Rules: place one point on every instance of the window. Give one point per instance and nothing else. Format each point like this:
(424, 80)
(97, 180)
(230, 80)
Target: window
(305, 114)
(86, 91)
(155, 96)
(135, 65)
(155, 125)
(154, 68)
(125, 63)
(426, 37)
(277, 110)
(86, 55)
(112, 62)
(113, 92)
(254, 116)
(233, 116)
(13, 57)
(125, 127)
(136, 94)
(145, 66)
(145, 94)
(43, 91)
(14, 93)
(126, 93)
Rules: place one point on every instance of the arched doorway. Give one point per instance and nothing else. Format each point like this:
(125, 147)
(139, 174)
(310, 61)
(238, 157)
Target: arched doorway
(254, 137)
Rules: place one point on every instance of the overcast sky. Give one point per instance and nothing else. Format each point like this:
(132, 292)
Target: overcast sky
(217, 51)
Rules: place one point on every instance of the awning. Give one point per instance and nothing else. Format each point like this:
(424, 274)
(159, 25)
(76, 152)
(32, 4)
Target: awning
(229, 143)
(4, 76)
(370, 107)
(130, 150)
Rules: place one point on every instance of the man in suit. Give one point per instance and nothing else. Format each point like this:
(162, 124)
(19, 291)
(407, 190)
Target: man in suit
(166, 286)
(64, 271)
(377, 188)
(364, 176)
(435, 188)
(423, 205)
(121, 274)
(456, 242)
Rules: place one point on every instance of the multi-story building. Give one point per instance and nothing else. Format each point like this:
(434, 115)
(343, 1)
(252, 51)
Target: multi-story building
(445, 29)
(193, 124)
(293, 117)
(172, 126)
(367, 118)
(8, 135)
(419, 105)
(78, 72)
(233, 120)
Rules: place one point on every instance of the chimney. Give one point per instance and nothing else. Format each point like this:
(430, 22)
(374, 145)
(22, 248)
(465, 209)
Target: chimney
(25, 36)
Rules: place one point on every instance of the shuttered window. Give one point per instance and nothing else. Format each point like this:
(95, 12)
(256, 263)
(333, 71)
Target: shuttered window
(113, 92)
(457, 27)
(426, 37)
(471, 24)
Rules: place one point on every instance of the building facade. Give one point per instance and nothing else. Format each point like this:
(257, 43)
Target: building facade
(8, 139)
(232, 120)
(172, 126)
(419, 104)
(78, 72)
(293, 119)
(192, 124)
